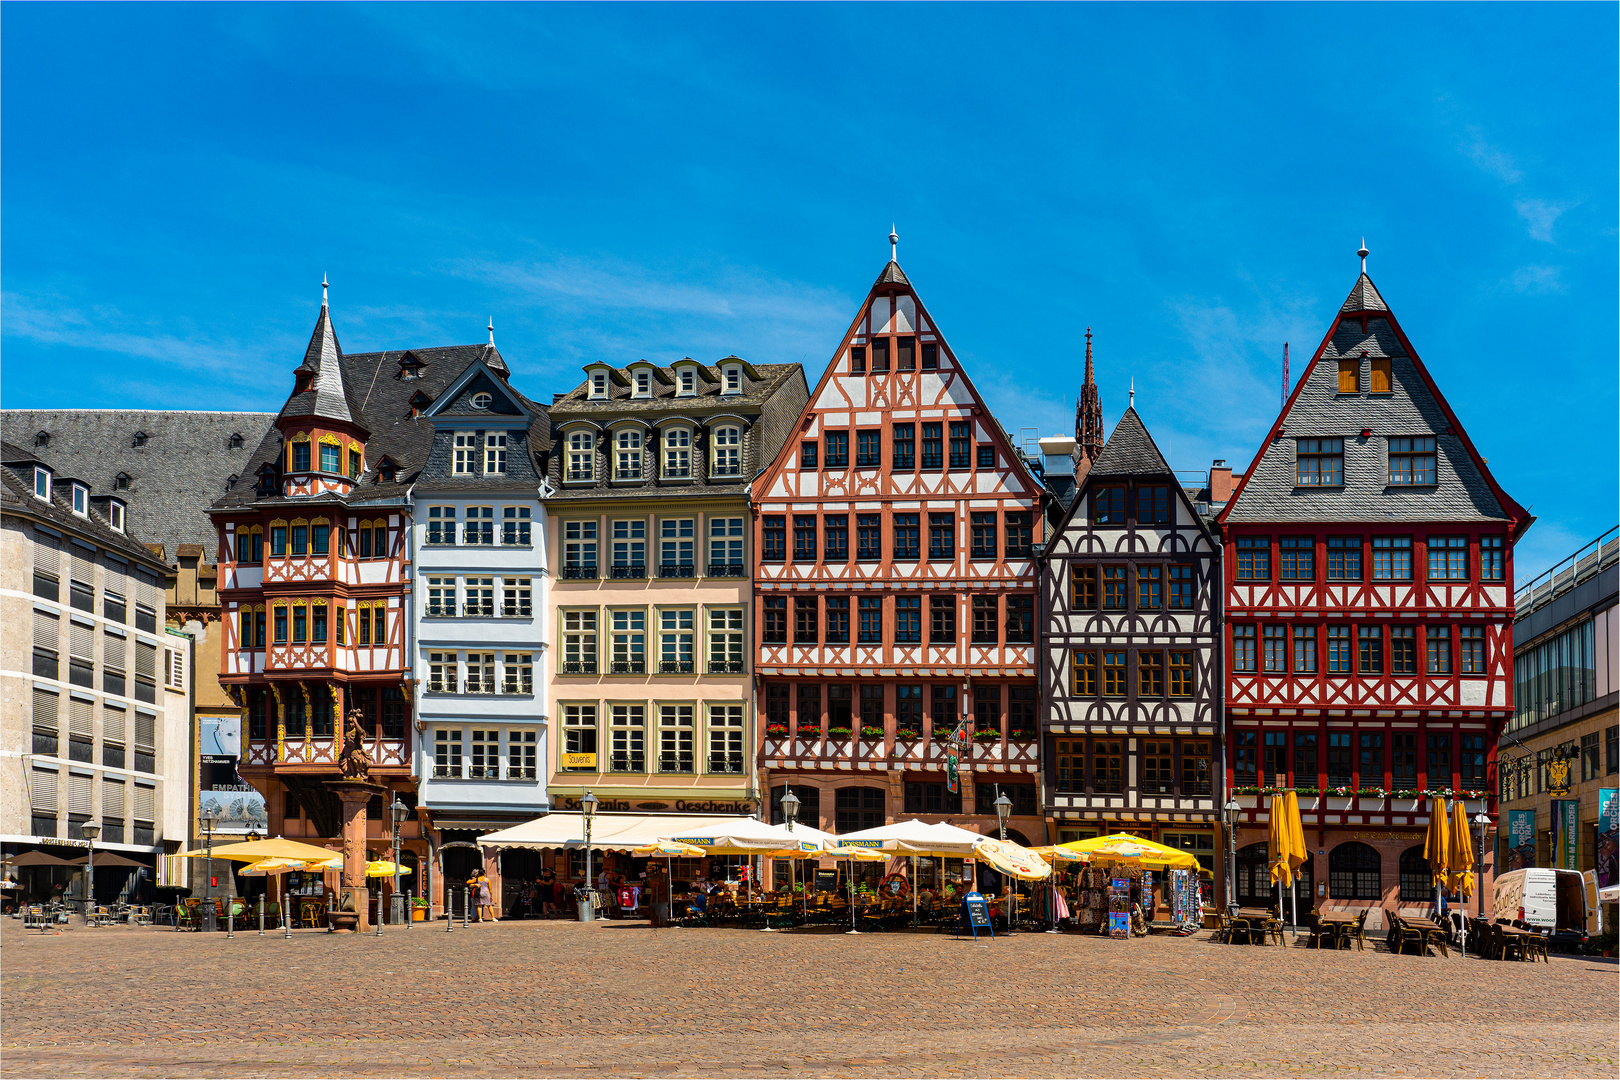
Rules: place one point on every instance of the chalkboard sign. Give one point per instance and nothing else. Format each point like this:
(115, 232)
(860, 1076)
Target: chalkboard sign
(975, 915)
(826, 881)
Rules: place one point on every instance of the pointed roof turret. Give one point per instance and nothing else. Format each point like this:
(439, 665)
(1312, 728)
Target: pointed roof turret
(319, 389)
(1363, 297)
(1088, 420)
(492, 356)
(1130, 450)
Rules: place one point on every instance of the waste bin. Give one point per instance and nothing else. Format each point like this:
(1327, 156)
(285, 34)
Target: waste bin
(586, 899)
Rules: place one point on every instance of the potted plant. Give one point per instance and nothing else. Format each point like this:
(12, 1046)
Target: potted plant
(776, 731)
(1340, 797)
(1406, 800)
(1309, 798)
(943, 734)
(1021, 735)
(419, 909)
(871, 731)
(1371, 798)
(838, 733)
(987, 735)
(1247, 796)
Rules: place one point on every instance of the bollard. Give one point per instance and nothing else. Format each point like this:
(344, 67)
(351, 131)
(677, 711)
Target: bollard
(464, 900)
(230, 919)
(261, 915)
(449, 910)
(379, 914)
(410, 907)
(286, 915)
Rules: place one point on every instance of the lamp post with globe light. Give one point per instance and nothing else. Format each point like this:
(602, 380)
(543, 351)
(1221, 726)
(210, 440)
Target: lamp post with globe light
(91, 830)
(587, 909)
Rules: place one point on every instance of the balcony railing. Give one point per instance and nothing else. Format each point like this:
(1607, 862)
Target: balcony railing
(516, 610)
(629, 667)
(674, 763)
(579, 573)
(577, 475)
(628, 570)
(727, 569)
(480, 686)
(441, 610)
(725, 763)
(579, 667)
(677, 570)
(725, 667)
(676, 667)
(441, 686)
(477, 610)
(627, 763)
(1549, 584)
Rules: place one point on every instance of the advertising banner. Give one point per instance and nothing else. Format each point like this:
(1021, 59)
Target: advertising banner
(1521, 838)
(240, 806)
(1608, 839)
(1566, 812)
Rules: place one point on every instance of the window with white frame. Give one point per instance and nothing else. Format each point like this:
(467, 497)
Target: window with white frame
(726, 738)
(441, 527)
(676, 739)
(686, 383)
(629, 642)
(515, 525)
(579, 735)
(447, 753)
(81, 500)
(486, 754)
(520, 755)
(480, 673)
(42, 483)
(482, 401)
(727, 451)
(480, 526)
(628, 734)
(495, 452)
(480, 596)
(441, 673)
(627, 455)
(581, 456)
(466, 453)
(643, 388)
(677, 453)
(599, 385)
(441, 596)
(519, 673)
(515, 594)
(677, 539)
(675, 635)
(630, 548)
(115, 514)
(725, 547)
(579, 548)
(732, 380)
(579, 642)
(725, 641)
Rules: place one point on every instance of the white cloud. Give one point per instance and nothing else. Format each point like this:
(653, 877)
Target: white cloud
(1541, 215)
(1538, 279)
(1492, 159)
(106, 329)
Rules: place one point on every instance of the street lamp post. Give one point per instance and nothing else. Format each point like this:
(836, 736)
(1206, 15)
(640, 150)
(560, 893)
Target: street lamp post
(1003, 810)
(210, 913)
(1481, 823)
(587, 910)
(91, 830)
(790, 811)
(1231, 808)
(397, 812)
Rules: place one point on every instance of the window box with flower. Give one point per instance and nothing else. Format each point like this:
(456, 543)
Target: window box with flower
(987, 735)
(838, 732)
(907, 734)
(776, 731)
(870, 731)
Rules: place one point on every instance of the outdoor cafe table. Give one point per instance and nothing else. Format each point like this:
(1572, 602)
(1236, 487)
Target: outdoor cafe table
(1255, 920)
(1341, 922)
(1433, 932)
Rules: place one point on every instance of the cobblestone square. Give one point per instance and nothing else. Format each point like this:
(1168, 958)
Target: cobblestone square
(621, 999)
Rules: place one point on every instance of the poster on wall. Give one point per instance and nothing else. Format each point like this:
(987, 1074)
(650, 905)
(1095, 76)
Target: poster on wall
(1521, 839)
(1608, 838)
(1566, 815)
(239, 805)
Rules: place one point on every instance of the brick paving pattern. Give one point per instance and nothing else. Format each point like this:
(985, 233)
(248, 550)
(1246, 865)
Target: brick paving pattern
(620, 999)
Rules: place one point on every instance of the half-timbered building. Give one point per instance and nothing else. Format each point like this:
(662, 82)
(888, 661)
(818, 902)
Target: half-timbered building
(1369, 608)
(1130, 675)
(895, 588)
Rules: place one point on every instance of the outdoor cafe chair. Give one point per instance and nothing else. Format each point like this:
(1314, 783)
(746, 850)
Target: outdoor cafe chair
(1399, 933)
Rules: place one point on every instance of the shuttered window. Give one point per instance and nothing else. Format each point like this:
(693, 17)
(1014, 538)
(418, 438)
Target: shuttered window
(47, 631)
(145, 799)
(174, 669)
(45, 715)
(145, 726)
(81, 641)
(113, 577)
(145, 660)
(112, 725)
(79, 718)
(79, 795)
(112, 799)
(113, 651)
(83, 563)
(43, 791)
(45, 554)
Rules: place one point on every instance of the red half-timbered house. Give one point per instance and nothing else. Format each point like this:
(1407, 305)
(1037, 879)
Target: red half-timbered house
(1369, 605)
(895, 588)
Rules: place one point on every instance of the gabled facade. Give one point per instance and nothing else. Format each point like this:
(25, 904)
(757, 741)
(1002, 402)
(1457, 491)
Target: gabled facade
(1130, 677)
(896, 588)
(1369, 606)
(652, 704)
(478, 538)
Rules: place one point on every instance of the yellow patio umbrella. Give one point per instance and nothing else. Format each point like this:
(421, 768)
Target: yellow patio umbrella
(1460, 853)
(669, 849)
(1281, 845)
(258, 850)
(1437, 842)
(1014, 859)
(1125, 848)
(384, 868)
(1057, 853)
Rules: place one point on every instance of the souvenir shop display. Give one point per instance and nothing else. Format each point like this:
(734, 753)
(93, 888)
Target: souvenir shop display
(1119, 907)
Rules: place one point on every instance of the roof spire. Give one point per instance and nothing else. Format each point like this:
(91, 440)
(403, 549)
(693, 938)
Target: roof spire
(1363, 252)
(323, 290)
(1088, 419)
(492, 331)
(894, 245)
(1133, 393)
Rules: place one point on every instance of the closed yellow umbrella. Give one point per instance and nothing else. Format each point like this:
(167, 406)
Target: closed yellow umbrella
(1437, 842)
(1460, 853)
(1281, 844)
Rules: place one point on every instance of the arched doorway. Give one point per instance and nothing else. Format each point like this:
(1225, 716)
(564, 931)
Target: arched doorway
(1355, 872)
(1417, 882)
(1254, 885)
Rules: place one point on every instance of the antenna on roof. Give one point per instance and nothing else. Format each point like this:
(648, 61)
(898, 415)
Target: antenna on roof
(1363, 252)
(323, 290)
(894, 245)
(492, 331)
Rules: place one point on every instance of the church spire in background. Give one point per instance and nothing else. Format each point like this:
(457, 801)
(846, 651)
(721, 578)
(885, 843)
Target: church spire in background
(1088, 421)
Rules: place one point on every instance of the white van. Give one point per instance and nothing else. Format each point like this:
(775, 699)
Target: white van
(1554, 902)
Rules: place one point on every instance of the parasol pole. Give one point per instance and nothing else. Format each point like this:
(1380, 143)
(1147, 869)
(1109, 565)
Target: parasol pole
(914, 892)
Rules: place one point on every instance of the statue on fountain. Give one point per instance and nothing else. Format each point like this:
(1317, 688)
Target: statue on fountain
(355, 762)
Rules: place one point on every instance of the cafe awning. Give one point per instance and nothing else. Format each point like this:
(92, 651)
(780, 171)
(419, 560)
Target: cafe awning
(609, 832)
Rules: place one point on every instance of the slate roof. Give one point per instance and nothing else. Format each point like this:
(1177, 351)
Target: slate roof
(182, 466)
(1464, 488)
(327, 396)
(772, 399)
(506, 412)
(892, 275)
(1130, 451)
(17, 497)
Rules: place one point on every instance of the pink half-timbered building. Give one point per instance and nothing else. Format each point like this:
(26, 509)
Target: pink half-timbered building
(895, 589)
(1368, 566)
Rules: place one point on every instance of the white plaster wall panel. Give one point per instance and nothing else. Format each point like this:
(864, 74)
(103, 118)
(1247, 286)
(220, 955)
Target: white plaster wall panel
(905, 315)
(880, 315)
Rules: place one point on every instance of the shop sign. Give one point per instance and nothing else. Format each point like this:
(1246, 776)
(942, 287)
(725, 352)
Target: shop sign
(1608, 840)
(239, 804)
(1381, 835)
(57, 841)
(1567, 814)
(1558, 776)
(578, 761)
(1521, 839)
(738, 807)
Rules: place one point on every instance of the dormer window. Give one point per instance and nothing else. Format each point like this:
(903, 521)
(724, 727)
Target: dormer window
(495, 452)
(581, 456)
(121, 482)
(235, 441)
(385, 471)
(139, 439)
(678, 454)
(687, 383)
(81, 499)
(115, 513)
(267, 479)
(419, 402)
(627, 456)
(466, 458)
(410, 367)
(643, 384)
(230, 481)
(42, 483)
(727, 442)
(733, 379)
(42, 438)
(599, 386)
(481, 401)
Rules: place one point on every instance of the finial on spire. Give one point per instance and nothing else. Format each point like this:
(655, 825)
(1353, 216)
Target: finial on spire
(894, 245)
(492, 331)
(1363, 252)
(323, 290)
(1133, 392)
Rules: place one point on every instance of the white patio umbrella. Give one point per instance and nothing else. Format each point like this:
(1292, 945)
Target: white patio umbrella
(750, 836)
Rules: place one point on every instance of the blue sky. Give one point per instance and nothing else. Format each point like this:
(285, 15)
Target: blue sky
(633, 181)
